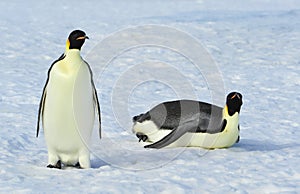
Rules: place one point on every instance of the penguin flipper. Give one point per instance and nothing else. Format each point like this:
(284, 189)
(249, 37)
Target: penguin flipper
(175, 134)
(41, 110)
(96, 99)
(43, 98)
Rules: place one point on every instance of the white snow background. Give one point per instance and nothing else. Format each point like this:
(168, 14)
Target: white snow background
(256, 45)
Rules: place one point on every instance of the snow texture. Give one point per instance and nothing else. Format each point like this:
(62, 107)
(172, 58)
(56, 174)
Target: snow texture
(256, 46)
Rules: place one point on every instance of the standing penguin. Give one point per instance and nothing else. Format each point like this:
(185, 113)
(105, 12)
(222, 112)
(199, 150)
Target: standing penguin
(190, 123)
(67, 107)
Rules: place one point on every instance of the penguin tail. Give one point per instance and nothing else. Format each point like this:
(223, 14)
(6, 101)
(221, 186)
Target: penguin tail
(136, 118)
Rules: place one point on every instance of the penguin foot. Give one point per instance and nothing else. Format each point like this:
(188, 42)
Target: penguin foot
(77, 165)
(142, 137)
(57, 165)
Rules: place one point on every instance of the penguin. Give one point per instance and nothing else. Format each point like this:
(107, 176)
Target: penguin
(189, 123)
(68, 107)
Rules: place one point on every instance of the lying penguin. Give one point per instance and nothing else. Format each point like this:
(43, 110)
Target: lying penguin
(190, 123)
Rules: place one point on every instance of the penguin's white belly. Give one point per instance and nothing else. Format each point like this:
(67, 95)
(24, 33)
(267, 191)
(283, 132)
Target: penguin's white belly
(206, 140)
(68, 112)
(224, 139)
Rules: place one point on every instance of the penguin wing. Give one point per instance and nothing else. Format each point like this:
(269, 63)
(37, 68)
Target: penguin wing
(176, 133)
(96, 100)
(41, 109)
(189, 126)
(44, 94)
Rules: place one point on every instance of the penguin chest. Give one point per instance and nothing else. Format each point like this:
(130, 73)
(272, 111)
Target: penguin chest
(224, 139)
(231, 132)
(69, 109)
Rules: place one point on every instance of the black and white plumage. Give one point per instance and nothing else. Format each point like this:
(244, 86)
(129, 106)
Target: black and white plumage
(67, 107)
(190, 123)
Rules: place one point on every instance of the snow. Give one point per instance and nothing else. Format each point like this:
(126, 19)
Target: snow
(255, 45)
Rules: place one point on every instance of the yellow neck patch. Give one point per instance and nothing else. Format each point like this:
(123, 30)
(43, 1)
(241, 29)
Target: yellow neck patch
(67, 45)
(225, 111)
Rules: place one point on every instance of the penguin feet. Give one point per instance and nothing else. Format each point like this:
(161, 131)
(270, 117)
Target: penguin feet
(57, 165)
(142, 137)
(77, 165)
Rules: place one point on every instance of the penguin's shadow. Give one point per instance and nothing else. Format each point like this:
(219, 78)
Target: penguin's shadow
(98, 163)
(137, 160)
(251, 145)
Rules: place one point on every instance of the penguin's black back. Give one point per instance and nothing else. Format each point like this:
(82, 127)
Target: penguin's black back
(169, 115)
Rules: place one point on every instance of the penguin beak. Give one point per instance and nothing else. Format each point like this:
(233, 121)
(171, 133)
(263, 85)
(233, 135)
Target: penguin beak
(234, 96)
(82, 37)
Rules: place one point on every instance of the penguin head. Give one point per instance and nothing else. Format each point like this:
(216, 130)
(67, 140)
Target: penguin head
(234, 102)
(76, 39)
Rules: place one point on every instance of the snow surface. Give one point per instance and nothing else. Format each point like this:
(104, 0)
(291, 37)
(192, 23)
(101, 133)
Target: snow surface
(256, 46)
